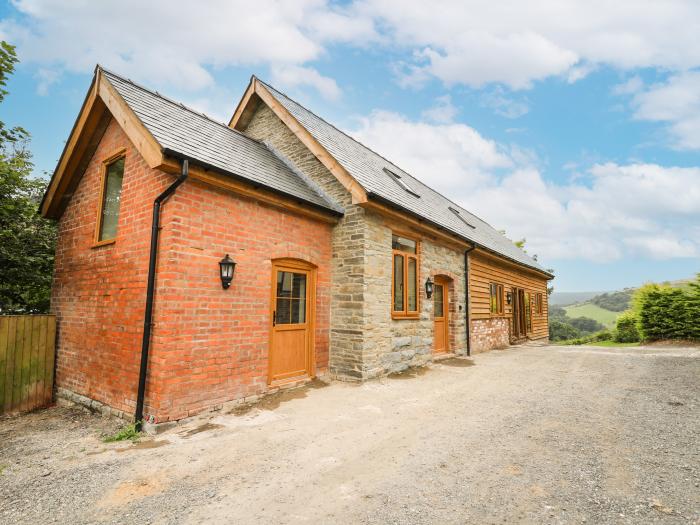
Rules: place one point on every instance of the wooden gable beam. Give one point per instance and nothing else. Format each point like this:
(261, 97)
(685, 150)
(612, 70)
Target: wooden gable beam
(140, 137)
(239, 122)
(101, 104)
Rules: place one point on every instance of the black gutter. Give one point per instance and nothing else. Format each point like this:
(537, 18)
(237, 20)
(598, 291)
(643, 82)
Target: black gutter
(468, 299)
(150, 290)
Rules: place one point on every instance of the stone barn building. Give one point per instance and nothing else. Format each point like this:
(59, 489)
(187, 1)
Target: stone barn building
(200, 263)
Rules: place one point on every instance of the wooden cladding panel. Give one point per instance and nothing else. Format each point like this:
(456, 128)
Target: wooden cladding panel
(27, 352)
(485, 269)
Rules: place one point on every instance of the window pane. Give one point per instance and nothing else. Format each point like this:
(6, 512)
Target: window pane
(528, 312)
(112, 197)
(492, 298)
(398, 283)
(298, 311)
(284, 284)
(403, 244)
(283, 311)
(299, 285)
(438, 299)
(412, 285)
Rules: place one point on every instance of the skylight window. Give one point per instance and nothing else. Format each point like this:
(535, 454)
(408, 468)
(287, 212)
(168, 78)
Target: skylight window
(461, 217)
(401, 182)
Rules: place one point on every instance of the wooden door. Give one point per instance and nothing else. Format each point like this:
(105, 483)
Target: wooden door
(519, 321)
(292, 322)
(441, 342)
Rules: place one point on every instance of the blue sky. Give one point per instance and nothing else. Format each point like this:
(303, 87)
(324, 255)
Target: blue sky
(573, 124)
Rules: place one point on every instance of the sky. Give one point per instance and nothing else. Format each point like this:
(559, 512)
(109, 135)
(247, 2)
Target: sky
(572, 124)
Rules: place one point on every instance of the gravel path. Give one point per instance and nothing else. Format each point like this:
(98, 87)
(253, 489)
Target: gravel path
(531, 434)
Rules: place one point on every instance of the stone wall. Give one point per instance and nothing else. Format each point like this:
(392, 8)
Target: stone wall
(489, 334)
(392, 345)
(348, 243)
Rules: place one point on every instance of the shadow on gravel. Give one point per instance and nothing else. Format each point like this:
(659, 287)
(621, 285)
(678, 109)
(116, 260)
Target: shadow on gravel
(273, 401)
(409, 373)
(457, 362)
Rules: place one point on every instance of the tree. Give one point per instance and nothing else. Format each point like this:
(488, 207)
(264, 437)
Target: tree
(26, 239)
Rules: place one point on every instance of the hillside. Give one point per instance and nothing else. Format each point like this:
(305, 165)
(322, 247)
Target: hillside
(592, 311)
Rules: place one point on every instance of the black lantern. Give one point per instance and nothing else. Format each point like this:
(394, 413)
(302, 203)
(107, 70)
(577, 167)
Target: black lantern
(226, 268)
(429, 288)
(509, 297)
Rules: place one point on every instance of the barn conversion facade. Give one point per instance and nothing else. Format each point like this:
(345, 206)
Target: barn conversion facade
(200, 263)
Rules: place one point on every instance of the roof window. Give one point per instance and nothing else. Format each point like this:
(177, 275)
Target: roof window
(461, 217)
(401, 182)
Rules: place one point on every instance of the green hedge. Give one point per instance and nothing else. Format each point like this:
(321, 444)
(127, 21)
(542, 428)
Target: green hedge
(668, 313)
(626, 328)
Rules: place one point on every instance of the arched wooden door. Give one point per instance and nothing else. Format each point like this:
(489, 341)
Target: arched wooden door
(292, 321)
(441, 316)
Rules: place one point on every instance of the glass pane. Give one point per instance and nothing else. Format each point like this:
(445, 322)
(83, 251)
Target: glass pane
(438, 299)
(412, 285)
(299, 285)
(528, 313)
(291, 298)
(298, 311)
(284, 284)
(403, 244)
(398, 283)
(112, 197)
(494, 304)
(283, 311)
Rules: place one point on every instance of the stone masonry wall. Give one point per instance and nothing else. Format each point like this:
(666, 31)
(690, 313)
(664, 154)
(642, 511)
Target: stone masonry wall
(489, 334)
(392, 345)
(348, 244)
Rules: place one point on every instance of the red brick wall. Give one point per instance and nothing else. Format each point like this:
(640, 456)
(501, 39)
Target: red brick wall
(489, 334)
(209, 345)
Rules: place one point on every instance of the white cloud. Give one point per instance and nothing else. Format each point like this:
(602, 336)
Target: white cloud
(162, 43)
(294, 76)
(442, 112)
(455, 154)
(675, 102)
(516, 43)
(612, 211)
(503, 104)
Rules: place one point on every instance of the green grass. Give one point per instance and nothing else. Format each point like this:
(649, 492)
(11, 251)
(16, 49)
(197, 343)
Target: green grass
(611, 344)
(593, 311)
(127, 432)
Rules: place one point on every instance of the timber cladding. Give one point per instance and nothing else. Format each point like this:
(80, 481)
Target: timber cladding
(485, 269)
(26, 362)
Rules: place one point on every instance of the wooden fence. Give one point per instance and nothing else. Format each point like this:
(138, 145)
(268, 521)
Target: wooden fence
(27, 352)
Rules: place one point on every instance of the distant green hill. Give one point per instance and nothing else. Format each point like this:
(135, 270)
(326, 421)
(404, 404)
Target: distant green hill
(603, 307)
(592, 311)
(566, 298)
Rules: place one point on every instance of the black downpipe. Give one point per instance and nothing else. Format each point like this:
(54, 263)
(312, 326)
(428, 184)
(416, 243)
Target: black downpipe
(466, 291)
(150, 290)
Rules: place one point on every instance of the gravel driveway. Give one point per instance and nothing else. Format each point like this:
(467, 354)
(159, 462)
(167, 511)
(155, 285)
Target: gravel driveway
(531, 434)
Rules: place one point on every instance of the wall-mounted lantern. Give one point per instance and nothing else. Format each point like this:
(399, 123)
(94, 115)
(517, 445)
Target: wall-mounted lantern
(226, 268)
(509, 297)
(429, 288)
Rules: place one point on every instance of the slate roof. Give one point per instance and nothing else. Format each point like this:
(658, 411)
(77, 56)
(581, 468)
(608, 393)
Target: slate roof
(185, 132)
(374, 173)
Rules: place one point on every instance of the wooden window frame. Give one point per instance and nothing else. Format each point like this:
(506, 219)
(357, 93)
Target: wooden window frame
(539, 309)
(106, 163)
(405, 313)
(500, 306)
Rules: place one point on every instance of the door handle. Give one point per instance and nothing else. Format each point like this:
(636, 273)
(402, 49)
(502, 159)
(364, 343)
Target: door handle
(274, 317)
